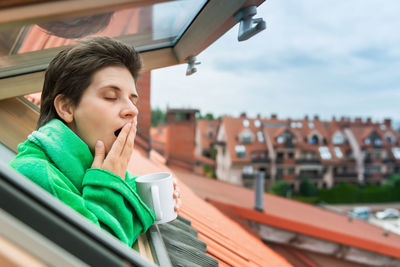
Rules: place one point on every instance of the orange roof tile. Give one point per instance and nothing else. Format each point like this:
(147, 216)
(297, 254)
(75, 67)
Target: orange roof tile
(296, 216)
(226, 240)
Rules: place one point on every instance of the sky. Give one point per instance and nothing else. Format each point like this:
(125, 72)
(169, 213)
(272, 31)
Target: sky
(326, 58)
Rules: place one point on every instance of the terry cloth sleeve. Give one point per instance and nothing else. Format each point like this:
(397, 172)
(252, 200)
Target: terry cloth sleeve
(106, 199)
(116, 204)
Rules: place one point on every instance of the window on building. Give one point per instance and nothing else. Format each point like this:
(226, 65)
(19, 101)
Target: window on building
(259, 155)
(396, 152)
(291, 170)
(367, 141)
(290, 155)
(378, 142)
(314, 140)
(390, 140)
(324, 152)
(337, 139)
(240, 151)
(377, 169)
(246, 137)
(280, 139)
(248, 170)
(338, 152)
(260, 137)
(279, 173)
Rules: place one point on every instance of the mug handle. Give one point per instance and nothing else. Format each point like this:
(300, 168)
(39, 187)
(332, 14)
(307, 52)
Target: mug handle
(156, 202)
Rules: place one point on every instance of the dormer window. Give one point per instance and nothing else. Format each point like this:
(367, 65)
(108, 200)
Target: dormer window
(378, 142)
(285, 138)
(390, 139)
(246, 137)
(240, 151)
(367, 141)
(314, 140)
(337, 139)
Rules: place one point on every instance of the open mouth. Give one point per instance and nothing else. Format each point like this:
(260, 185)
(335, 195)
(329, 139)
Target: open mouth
(116, 133)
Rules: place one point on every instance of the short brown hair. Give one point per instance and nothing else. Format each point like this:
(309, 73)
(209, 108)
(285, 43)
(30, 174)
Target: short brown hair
(72, 70)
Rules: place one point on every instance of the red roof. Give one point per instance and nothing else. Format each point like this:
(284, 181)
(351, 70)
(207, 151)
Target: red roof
(296, 216)
(226, 240)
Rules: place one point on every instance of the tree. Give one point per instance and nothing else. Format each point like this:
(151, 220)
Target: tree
(157, 117)
(281, 188)
(307, 188)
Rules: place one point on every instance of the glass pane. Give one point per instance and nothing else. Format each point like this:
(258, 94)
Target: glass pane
(147, 28)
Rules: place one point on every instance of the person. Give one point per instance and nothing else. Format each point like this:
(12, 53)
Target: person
(85, 136)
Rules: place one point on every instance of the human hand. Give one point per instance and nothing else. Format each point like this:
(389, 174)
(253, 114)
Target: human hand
(177, 195)
(120, 153)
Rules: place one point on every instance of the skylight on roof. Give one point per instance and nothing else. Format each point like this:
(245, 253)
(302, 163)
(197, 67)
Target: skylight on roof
(383, 127)
(260, 137)
(338, 152)
(324, 152)
(338, 138)
(246, 123)
(257, 123)
(396, 152)
(311, 125)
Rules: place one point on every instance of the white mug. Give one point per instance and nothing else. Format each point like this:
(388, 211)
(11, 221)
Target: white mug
(156, 190)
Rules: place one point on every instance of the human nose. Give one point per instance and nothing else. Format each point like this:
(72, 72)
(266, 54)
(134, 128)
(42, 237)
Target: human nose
(129, 110)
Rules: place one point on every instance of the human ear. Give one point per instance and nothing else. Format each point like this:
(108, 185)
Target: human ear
(64, 108)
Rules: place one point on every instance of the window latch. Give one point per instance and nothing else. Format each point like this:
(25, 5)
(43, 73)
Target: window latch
(248, 26)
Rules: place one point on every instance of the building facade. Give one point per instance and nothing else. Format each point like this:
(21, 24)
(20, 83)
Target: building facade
(324, 152)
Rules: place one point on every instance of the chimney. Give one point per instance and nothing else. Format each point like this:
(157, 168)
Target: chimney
(243, 115)
(259, 191)
(388, 123)
(333, 118)
(274, 116)
(316, 117)
(358, 121)
(369, 121)
(342, 119)
(259, 116)
(180, 137)
(306, 117)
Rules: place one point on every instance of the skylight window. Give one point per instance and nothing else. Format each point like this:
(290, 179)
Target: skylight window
(338, 152)
(311, 125)
(257, 123)
(324, 152)
(299, 124)
(246, 123)
(293, 124)
(260, 137)
(396, 152)
(240, 151)
(383, 127)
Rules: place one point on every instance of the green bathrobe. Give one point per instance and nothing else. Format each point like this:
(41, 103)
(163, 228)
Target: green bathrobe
(56, 159)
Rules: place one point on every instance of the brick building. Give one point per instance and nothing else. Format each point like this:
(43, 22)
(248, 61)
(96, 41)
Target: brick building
(325, 152)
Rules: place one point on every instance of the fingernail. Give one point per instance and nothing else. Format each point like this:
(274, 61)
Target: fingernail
(98, 144)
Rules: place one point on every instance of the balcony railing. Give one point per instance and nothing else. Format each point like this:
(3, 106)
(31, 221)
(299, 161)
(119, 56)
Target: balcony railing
(345, 175)
(308, 161)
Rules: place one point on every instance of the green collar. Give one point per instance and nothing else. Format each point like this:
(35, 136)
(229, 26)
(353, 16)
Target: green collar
(65, 149)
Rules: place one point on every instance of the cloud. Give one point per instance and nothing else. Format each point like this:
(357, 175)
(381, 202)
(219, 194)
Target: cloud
(315, 57)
